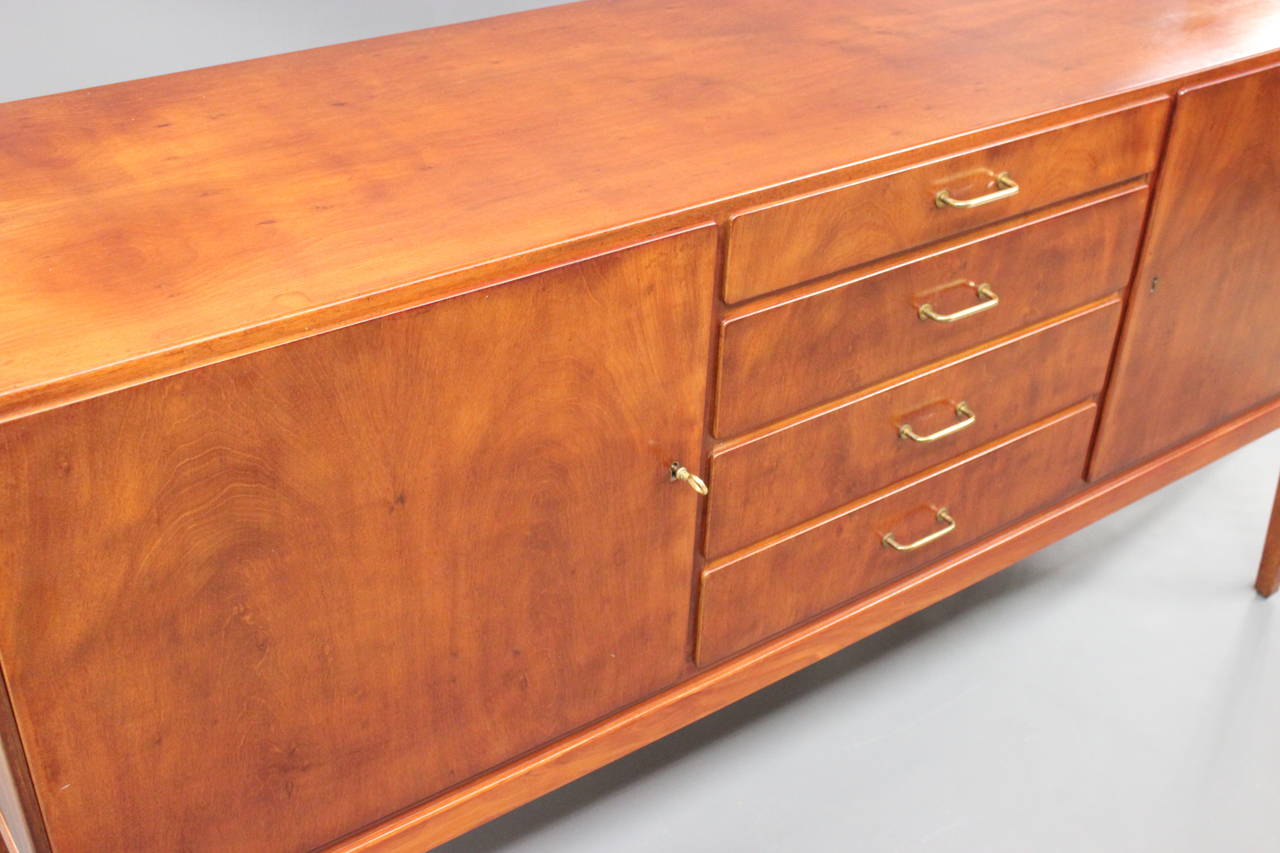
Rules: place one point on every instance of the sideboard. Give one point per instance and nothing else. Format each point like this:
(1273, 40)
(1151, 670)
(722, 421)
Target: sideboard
(395, 431)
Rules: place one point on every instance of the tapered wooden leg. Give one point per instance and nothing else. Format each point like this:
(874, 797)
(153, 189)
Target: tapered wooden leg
(1269, 572)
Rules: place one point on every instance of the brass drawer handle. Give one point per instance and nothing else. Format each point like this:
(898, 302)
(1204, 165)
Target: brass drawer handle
(987, 299)
(943, 516)
(679, 472)
(968, 418)
(1008, 187)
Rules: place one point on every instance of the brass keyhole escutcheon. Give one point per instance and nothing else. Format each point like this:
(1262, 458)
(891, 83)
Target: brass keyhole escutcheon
(683, 474)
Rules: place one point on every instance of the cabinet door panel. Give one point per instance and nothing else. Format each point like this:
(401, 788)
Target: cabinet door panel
(262, 604)
(1200, 344)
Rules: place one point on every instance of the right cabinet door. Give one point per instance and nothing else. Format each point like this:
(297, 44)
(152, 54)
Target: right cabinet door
(1201, 343)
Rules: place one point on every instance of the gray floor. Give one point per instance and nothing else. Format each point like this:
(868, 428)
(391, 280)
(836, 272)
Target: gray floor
(1119, 691)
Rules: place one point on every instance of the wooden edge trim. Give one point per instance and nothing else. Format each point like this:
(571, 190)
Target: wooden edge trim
(499, 791)
(6, 837)
(15, 758)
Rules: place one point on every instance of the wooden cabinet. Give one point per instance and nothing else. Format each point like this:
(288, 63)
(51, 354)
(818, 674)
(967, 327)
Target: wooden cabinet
(358, 405)
(321, 583)
(1201, 344)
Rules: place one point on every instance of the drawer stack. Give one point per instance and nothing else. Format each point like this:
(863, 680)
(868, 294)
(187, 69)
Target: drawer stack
(881, 418)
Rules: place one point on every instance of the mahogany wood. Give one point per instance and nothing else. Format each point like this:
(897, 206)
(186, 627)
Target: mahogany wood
(265, 200)
(1194, 352)
(274, 600)
(543, 771)
(859, 332)
(804, 238)
(418, 549)
(809, 570)
(1269, 570)
(782, 478)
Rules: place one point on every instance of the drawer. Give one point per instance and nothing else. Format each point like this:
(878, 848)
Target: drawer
(844, 556)
(787, 477)
(803, 238)
(808, 351)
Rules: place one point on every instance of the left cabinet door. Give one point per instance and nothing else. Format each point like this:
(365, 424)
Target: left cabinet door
(262, 604)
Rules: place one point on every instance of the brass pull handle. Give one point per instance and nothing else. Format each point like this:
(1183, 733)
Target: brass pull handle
(968, 418)
(987, 299)
(679, 472)
(943, 516)
(1008, 187)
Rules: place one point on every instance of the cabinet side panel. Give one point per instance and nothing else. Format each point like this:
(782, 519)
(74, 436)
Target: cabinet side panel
(261, 605)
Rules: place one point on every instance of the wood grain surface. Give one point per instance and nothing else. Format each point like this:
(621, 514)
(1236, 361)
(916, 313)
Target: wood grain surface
(800, 239)
(545, 770)
(1201, 342)
(782, 478)
(151, 225)
(416, 556)
(260, 605)
(858, 332)
(748, 598)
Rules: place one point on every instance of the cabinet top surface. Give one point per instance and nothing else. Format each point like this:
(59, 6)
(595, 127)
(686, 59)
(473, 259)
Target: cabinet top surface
(144, 219)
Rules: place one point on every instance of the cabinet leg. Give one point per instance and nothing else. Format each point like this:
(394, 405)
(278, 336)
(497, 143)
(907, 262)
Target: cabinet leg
(1269, 572)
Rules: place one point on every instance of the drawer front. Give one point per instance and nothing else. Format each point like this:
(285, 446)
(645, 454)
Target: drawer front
(787, 477)
(820, 347)
(758, 595)
(814, 235)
